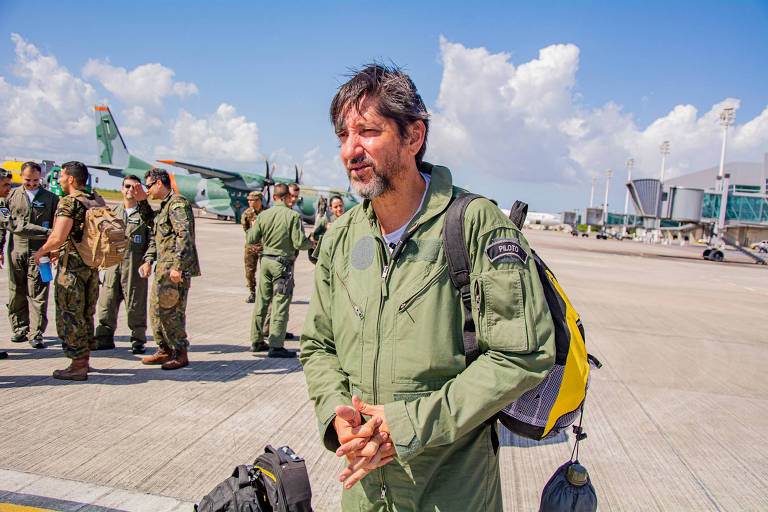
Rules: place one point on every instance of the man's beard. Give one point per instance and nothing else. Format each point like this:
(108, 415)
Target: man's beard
(380, 181)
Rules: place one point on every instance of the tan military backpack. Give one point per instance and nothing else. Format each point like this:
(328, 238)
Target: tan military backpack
(104, 243)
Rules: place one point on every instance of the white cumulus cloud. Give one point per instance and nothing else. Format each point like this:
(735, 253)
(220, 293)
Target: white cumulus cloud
(524, 124)
(145, 85)
(44, 109)
(221, 137)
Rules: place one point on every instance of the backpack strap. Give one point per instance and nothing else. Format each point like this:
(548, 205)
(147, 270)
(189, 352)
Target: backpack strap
(518, 213)
(459, 267)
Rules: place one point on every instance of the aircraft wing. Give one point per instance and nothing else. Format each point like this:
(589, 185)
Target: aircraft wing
(207, 172)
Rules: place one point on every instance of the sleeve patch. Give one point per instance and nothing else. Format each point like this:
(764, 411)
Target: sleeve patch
(506, 249)
(177, 206)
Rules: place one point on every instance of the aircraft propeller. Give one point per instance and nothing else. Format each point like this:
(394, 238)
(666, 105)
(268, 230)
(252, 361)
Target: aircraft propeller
(267, 184)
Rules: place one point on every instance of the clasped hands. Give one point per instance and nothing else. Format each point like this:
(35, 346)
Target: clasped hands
(366, 446)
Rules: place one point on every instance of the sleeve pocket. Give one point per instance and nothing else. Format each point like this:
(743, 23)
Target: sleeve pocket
(501, 310)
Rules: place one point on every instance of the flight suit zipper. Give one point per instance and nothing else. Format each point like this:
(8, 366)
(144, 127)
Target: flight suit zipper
(432, 281)
(357, 309)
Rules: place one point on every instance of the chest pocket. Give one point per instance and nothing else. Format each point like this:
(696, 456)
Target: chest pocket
(427, 344)
(163, 224)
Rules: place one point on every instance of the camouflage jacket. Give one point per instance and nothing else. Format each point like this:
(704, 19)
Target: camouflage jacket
(248, 220)
(173, 244)
(71, 208)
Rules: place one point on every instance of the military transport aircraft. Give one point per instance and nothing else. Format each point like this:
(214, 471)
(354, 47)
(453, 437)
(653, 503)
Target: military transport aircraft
(218, 191)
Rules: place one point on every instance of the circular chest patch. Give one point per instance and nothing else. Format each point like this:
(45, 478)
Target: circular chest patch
(362, 253)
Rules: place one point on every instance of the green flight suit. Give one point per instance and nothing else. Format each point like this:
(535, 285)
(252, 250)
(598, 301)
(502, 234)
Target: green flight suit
(391, 332)
(279, 229)
(123, 283)
(27, 293)
(77, 284)
(173, 248)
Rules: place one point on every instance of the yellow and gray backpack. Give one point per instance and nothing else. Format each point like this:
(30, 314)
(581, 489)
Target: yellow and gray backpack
(557, 401)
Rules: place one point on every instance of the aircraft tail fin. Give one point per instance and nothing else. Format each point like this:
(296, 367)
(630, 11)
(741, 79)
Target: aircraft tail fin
(111, 149)
(111, 146)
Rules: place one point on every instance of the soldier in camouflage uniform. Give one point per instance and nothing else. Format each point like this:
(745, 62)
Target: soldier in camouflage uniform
(252, 251)
(173, 248)
(123, 282)
(5, 217)
(77, 284)
(32, 209)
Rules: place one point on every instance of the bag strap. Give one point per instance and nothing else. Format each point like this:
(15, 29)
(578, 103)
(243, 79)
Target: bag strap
(242, 475)
(518, 213)
(459, 267)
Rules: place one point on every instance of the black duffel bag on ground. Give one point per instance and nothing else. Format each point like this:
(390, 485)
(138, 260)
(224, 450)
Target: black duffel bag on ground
(276, 482)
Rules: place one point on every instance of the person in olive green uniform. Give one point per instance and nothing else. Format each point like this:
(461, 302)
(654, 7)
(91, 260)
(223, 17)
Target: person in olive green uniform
(32, 208)
(173, 248)
(123, 281)
(77, 284)
(252, 251)
(5, 217)
(279, 229)
(383, 333)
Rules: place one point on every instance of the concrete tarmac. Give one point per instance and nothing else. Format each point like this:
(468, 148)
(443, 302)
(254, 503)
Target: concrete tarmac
(676, 418)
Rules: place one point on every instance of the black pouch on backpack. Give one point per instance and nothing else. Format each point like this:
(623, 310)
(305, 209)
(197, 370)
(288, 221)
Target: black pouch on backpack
(284, 478)
(235, 494)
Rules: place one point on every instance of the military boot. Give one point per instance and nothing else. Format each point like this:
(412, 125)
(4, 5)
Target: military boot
(19, 337)
(251, 298)
(104, 342)
(137, 346)
(77, 370)
(259, 347)
(162, 355)
(179, 360)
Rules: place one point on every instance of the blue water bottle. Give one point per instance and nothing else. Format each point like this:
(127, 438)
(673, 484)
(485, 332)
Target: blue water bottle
(45, 269)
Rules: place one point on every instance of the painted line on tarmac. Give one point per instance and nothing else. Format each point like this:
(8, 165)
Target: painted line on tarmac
(16, 502)
(22, 491)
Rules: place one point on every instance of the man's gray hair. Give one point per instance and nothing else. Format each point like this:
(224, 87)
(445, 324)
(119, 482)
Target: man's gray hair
(397, 98)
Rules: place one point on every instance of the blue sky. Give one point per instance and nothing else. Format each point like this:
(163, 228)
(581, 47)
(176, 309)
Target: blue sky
(617, 79)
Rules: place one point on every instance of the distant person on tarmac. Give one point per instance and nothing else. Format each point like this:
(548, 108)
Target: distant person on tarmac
(77, 284)
(123, 281)
(279, 229)
(175, 253)
(32, 209)
(5, 218)
(252, 251)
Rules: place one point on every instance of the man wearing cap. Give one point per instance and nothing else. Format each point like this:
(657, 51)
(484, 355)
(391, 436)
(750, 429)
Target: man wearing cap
(252, 251)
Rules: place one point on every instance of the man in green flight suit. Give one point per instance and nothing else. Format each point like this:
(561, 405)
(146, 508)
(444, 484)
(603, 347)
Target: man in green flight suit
(5, 218)
(279, 229)
(77, 284)
(123, 281)
(32, 209)
(173, 248)
(383, 334)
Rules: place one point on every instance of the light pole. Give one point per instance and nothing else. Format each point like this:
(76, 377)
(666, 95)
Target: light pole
(630, 165)
(605, 203)
(664, 152)
(727, 117)
(591, 204)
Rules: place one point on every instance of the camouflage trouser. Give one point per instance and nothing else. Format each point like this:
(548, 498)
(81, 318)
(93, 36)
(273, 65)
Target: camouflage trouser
(168, 311)
(251, 260)
(27, 295)
(76, 294)
(275, 290)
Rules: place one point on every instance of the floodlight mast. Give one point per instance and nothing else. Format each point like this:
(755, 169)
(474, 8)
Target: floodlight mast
(630, 165)
(727, 116)
(605, 204)
(591, 203)
(664, 152)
